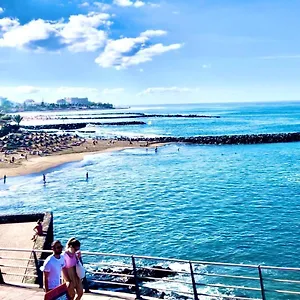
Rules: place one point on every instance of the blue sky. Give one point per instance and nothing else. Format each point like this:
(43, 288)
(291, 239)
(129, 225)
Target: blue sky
(149, 52)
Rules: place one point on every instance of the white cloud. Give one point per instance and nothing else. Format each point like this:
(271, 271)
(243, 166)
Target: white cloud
(27, 89)
(123, 3)
(175, 12)
(7, 24)
(150, 33)
(102, 6)
(1, 10)
(83, 33)
(126, 52)
(18, 36)
(155, 5)
(173, 89)
(146, 54)
(127, 3)
(112, 91)
(138, 3)
(84, 4)
(115, 51)
(141, 70)
(80, 33)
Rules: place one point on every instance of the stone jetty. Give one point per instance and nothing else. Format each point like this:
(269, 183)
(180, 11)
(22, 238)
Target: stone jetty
(225, 139)
(140, 115)
(73, 126)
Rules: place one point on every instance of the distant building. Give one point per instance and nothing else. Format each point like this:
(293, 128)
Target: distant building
(77, 101)
(29, 102)
(61, 102)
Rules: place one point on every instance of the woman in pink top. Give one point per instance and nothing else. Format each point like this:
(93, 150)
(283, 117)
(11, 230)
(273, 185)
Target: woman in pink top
(71, 255)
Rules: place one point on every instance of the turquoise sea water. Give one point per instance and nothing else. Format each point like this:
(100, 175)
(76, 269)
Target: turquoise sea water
(237, 203)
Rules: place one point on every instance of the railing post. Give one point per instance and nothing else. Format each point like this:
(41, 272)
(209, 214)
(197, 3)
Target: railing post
(136, 280)
(38, 271)
(262, 288)
(1, 278)
(193, 282)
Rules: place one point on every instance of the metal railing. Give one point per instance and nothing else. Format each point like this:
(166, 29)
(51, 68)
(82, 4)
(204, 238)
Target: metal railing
(152, 276)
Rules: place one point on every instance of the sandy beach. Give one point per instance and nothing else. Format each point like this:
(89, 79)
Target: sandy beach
(36, 163)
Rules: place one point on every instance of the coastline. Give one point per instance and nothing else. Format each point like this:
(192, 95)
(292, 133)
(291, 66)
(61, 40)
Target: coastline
(37, 164)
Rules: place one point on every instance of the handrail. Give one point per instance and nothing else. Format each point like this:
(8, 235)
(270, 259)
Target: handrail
(19, 267)
(110, 273)
(161, 259)
(217, 275)
(17, 274)
(16, 258)
(282, 280)
(111, 265)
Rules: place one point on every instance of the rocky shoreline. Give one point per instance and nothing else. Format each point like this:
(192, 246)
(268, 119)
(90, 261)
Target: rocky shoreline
(113, 279)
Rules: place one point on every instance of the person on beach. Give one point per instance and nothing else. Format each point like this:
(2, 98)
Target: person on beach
(38, 229)
(44, 178)
(87, 176)
(156, 149)
(53, 266)
(71, 255)
(4, 179)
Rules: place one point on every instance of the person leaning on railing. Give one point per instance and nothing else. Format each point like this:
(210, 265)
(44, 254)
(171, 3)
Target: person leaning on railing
(71, 255)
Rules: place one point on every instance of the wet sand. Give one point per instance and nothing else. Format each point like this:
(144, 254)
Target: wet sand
(36, 164)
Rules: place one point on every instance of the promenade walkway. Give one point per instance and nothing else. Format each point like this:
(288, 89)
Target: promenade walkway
(16, 235)
(15, 292)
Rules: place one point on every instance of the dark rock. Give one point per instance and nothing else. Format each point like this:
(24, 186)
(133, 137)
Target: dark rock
(5, 130)
(224, 139)
(72, 126)
(142, 274)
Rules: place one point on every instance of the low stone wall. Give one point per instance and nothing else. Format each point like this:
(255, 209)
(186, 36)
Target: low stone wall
(21, 218)
(42, 243)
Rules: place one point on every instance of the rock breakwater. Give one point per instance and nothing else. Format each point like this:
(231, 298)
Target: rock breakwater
(225, 139)
(72, 126)
(135, 116)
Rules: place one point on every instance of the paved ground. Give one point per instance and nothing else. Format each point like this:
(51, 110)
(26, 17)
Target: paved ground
(10, 292)
(15, 235)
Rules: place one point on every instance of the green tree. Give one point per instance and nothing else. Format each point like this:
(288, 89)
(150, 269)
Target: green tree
(18, 119)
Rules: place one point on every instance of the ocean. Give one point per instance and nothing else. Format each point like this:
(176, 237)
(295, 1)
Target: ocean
(231, 203)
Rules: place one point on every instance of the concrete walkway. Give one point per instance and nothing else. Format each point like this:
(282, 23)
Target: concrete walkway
(15, 292)
(15, 235)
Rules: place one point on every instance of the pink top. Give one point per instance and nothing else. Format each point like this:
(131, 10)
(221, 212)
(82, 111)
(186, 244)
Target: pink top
(70, 260)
